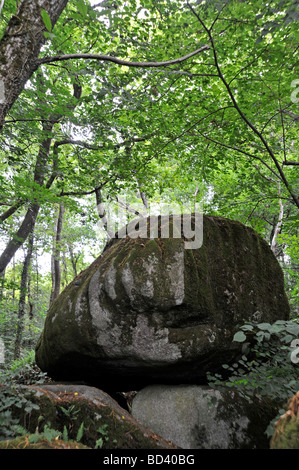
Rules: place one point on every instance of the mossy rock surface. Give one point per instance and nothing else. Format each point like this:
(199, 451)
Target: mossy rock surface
(200, 417)
(151, 310)
(63, 409)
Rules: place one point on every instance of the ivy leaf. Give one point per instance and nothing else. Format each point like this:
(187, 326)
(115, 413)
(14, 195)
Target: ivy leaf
(264, 326)
(239, 337)
(47, 20)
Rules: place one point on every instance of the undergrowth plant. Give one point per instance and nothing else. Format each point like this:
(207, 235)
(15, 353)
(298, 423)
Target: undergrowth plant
(269, 366)
(23, 371)
(13, 397)
(13, 378)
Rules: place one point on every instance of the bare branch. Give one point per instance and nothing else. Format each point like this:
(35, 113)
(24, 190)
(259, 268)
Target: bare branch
(82, 193)
(108, 58)
(26, 120)
(128, 207)
(290, 163)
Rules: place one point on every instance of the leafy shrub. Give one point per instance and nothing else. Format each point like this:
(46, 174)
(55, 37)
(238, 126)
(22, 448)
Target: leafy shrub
(269, 365)
(23, 371)
(12, 397)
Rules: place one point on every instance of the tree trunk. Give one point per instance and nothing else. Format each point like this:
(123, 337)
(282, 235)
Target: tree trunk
(2, 282)
(142, 195)
(20, 46)
(74, 258)
(53, 256)
(64, 282)
(30, 300)
(29, 220)
(101, 209)
(277, 230)
(22, 300)
(56, 274)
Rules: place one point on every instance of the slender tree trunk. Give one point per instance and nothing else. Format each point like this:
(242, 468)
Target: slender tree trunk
(22, 300)
(64, 282)
(53, 256)
(56, 274)
(2, 282)
(13, 278)
(142, 195)
(74, 259)
(20, 46)
(101, 209)
(9, 212)
(30, 300)
(37, 277)
(29, 220)
(277, 230)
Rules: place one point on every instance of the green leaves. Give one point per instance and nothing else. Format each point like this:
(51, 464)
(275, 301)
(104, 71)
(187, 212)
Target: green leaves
(104, 436)
(286, 331)
(267, 369)
(82, 7)
(47, 20)
(239, 337)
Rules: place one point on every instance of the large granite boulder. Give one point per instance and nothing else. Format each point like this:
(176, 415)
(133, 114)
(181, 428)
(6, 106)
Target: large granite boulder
(154, 310)
(200, 417)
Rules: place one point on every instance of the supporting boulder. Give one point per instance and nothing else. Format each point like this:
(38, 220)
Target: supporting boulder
(72, 412)
(199, 417)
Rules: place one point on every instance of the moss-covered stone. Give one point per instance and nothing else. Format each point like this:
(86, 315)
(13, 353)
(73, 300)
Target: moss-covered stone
(200, 417)
(151, 310)
(64, 408)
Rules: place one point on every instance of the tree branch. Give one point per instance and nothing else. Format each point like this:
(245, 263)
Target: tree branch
(193, 125)
(108, 58)
(11, 211)
(290, 163)
(236, 149)
(242, 115)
